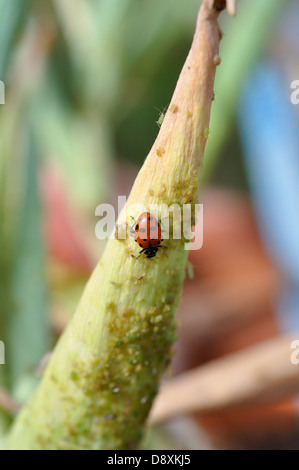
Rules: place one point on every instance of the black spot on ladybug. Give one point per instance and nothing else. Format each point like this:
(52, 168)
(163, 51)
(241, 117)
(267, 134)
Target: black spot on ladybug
(136, 227)
(140, 244)
(157, 223)
(150, 218)
(159, 242)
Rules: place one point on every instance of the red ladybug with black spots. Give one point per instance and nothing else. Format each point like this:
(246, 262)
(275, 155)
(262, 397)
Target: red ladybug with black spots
(148, 234)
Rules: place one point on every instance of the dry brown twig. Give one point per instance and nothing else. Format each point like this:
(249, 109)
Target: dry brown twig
(261, 373)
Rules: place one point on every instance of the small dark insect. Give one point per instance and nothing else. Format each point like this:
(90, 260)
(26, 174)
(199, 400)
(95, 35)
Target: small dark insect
(148, 234)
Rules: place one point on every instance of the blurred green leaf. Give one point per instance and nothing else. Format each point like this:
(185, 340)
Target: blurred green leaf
(12, 13)
(79, 144)
(28, 333)
(8, 202)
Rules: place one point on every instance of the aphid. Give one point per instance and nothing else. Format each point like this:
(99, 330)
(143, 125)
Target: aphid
(160, 120)
(148, 234)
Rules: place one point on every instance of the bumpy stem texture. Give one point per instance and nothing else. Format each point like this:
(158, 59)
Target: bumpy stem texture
(99, 386)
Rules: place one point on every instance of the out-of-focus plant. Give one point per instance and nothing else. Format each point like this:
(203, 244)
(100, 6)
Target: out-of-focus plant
(73, 83)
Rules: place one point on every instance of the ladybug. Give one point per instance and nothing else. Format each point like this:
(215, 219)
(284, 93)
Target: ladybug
(148, 234)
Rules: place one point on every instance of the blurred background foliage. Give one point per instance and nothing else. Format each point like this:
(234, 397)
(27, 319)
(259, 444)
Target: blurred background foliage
(85, 83)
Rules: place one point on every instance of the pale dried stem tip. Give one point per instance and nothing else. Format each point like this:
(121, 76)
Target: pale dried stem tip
(220, 5)
(231, 7)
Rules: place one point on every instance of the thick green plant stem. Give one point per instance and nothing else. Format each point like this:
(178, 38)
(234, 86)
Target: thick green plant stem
(104, 373)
